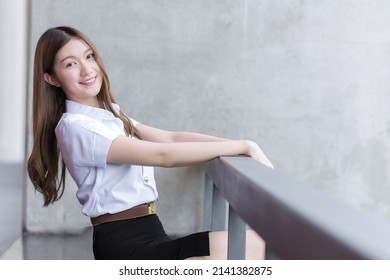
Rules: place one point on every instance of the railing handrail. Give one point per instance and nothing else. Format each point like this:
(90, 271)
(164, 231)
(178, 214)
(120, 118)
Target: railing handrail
(297, 221)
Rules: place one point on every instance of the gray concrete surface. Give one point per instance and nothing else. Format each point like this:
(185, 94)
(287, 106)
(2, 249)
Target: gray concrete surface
(11, 193)
(51, 247)
(13, 54)
(307, 80)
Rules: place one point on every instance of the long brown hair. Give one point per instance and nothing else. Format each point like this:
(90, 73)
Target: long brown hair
(49, 105)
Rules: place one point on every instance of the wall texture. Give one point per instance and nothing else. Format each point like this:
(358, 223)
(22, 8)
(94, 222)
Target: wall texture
(13, 30)
(308, 80)
(13, 25)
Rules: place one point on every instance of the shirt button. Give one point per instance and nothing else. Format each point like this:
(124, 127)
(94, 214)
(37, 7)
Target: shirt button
(146, 179)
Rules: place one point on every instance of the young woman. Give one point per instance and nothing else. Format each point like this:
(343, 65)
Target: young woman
(110, 156)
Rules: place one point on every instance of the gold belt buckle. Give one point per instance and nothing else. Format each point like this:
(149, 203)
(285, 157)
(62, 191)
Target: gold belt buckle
(152, 208)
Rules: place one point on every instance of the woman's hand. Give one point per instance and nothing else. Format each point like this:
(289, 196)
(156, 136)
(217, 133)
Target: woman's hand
(256, 153)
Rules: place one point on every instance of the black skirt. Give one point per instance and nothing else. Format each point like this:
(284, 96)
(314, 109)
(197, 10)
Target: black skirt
(145, 239)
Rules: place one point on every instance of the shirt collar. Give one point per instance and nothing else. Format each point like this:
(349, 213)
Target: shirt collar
(93, 112)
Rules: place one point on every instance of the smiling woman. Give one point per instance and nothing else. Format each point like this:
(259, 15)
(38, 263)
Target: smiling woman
(77, 72)
(111, 157)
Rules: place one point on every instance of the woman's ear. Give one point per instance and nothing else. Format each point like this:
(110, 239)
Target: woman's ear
(52, 80)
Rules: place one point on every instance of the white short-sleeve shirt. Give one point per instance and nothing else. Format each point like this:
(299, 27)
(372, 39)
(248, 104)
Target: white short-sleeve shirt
(84, 136)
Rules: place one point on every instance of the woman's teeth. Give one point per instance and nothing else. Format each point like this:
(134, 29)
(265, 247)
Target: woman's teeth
(89, 81)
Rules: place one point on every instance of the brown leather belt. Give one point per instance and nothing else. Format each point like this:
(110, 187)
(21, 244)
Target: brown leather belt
(135, 212)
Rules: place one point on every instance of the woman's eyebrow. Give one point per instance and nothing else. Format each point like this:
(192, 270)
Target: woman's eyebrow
(72, 56)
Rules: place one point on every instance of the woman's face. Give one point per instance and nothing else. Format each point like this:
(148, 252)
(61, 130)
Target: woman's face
(77, 73)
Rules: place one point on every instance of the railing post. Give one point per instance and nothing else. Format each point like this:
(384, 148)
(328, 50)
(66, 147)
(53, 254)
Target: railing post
(218, 222)
(236, 236)
(214, 208)
(215, 220)
(208, 203)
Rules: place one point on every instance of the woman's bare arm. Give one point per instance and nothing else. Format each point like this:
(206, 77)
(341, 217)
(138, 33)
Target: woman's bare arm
(126, 150)
(157, 135)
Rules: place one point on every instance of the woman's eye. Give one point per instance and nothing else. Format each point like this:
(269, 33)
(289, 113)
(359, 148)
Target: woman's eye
(91, 56)
(70, 64)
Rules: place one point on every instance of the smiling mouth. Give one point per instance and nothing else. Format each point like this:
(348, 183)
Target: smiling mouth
(89, 82)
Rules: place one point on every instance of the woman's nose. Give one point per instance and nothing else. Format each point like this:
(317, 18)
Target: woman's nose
(85, 69)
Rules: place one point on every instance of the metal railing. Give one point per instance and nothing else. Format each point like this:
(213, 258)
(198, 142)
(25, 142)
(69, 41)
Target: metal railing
(296, 221)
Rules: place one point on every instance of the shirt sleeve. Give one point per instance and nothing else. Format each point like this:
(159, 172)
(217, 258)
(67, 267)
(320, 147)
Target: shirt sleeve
(85, 141)
(134, 122)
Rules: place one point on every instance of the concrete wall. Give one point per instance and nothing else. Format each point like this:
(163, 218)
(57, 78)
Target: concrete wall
(13, 30)
(308, 80)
